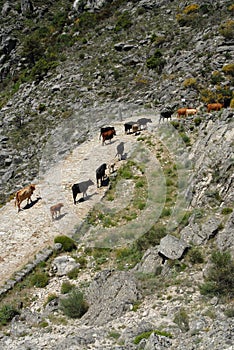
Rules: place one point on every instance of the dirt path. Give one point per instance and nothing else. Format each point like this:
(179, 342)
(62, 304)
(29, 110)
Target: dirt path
(25, 233)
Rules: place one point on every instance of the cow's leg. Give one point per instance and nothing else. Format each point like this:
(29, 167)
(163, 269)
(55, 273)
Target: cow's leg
(74, 197)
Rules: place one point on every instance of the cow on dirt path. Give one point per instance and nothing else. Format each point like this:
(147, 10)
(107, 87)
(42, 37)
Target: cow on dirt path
(24, 193)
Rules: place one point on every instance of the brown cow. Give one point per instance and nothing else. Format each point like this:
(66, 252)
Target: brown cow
(214, 107)
(55, 210)
(181, 111)
(107, 135)
(23, 194)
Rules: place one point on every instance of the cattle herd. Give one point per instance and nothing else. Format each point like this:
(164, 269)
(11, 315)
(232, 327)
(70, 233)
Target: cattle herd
(107, 133)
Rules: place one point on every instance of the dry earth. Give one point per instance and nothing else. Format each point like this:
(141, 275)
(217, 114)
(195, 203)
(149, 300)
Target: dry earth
(25, 233)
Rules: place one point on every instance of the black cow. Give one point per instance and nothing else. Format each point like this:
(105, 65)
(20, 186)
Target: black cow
(107, 135)
(165, 114)
(128, 127)
(81, 187)
(143, 122)
(100, 173)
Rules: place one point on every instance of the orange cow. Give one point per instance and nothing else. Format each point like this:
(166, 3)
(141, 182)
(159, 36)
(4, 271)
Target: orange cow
(23, 194)
(55, 210)
(214, 107)
(181, 111)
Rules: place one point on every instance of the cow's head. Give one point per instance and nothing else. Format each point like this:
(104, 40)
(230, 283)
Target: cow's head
(32, 187)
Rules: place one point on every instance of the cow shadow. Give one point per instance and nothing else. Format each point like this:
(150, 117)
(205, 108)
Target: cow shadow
(31, 204)
(59, 217)
(86, 198)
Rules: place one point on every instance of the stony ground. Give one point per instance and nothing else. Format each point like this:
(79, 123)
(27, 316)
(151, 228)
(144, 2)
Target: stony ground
(25, 233)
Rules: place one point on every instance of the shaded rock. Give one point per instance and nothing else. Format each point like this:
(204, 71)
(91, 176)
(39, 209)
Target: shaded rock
(109, 296)
(172, 247)
(197, 234)
(150, 262)
(225, 239)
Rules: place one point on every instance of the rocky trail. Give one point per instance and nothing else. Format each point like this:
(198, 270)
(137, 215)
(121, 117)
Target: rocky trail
(25, 233)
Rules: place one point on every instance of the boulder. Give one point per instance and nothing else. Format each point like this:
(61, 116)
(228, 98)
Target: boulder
(109, 296)
(172, 247)
(63, 265)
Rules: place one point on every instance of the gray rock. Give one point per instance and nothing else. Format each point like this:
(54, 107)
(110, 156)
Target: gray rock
(63, 264)
(172, 247)
(109, 296)
(150, 262)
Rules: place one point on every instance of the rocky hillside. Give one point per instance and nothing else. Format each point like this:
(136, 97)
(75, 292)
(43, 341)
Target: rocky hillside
(124, 281)
(60, 61)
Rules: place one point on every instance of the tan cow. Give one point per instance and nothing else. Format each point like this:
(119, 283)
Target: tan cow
(55, 210)
(190, 111)
(23, 194)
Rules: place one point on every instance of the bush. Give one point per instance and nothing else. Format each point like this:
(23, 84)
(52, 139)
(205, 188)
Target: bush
(226, 211)
(182, 320)
(220, 278)
(190, 82)
(73, 273)
(227, 29)
(156, 61)
(66, 287)
(123, 21)
(67, 243)
(197, 121)
(7, 312)
(146, 335)
(39, 279)
(229, 69)
(74, 305)
(190, 8)
(195, 256)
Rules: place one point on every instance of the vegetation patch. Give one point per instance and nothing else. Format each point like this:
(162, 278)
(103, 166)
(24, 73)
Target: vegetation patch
(74, 305)
(67, 243)
(146, 335)
(7, 312)
(220, 278)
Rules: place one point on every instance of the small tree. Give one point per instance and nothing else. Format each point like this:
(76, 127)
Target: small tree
(74, 305)
(220, 278)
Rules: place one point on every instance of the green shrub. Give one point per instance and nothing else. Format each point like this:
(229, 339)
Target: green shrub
(226, 211)
(182, 320)
(227, 29)
(123, 21)
(39, 279)
(146, 335)
(229, 312)
(156, 61)
(216, 78)
(220, 277)
(74, 305)
(66, 287)
(73, 273)
(195, 256)
(197, 121)
(50, 298)
(7, 312)
(67, 243)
